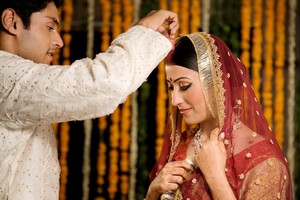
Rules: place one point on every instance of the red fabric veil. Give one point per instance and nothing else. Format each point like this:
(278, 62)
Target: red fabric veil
(255, 167)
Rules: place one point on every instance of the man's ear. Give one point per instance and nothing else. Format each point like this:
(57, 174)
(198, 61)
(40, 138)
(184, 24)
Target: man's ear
(9, 20)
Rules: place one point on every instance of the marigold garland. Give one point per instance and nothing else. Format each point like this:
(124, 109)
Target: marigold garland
(160, 100)
(105, 6)
(64, 149)
(246, 10)
(115, 117)
(175, 8)
(184, 17)
(195, 15)
(257, 47)
(64, 132)
(267, 93)
(125, 120)
(279, 71)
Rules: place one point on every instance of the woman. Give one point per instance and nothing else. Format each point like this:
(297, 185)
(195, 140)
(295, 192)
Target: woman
(228, 150)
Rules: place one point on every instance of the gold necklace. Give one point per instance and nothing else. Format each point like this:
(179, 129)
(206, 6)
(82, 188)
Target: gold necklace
(197, 141)
(196, 144)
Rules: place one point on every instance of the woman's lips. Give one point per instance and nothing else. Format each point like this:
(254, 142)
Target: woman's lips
(184, 111)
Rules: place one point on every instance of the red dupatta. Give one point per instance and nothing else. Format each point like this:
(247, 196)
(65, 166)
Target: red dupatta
(255, 161)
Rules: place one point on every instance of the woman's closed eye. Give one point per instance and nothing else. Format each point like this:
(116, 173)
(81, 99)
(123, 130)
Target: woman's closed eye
(185, 87)
(181, 87)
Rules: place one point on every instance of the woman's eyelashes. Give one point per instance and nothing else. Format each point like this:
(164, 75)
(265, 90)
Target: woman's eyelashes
(181, 87)
(185, 87)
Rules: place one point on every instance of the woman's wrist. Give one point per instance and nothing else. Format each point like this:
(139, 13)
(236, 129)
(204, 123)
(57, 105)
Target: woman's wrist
(151, 195)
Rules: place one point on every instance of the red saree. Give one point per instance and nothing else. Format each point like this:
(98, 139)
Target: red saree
(255, 166)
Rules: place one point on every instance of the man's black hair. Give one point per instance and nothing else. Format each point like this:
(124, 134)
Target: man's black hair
(25, 8)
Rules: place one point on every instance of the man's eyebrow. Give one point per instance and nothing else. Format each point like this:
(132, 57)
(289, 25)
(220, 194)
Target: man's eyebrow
(53, 19)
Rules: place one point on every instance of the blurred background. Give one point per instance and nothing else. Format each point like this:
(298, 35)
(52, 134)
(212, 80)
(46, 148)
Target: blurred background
(111, 157)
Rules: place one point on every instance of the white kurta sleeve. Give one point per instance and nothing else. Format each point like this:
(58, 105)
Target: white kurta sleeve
(88, 88)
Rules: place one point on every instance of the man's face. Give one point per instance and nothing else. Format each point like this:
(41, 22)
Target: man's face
(40, 40)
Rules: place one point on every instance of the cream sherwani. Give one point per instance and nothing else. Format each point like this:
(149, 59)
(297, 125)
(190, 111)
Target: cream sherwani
(32, 96)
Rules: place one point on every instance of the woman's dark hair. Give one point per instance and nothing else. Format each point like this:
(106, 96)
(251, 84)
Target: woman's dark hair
(184, 54)
(25, 8)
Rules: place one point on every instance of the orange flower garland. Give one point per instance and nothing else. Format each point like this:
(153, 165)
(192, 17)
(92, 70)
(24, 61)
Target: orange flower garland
(115, 117)
(64, 149)
(245, 31)
(175, 8)
(184, 17)
(125, 121)
(102, 123)
(257, 47)
(195, 11)
(161, 99)
(267, 93)
(64, 132)
(279, 71)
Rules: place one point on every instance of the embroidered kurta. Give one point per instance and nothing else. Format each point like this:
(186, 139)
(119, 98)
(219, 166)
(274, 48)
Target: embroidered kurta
(35, 95)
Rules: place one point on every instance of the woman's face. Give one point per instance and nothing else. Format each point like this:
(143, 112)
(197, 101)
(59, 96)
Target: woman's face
(186, 94)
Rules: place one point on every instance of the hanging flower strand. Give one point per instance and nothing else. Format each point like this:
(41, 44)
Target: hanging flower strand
(279, 71)
(125, 121)
(88, 125)
(257, 47)
(160, 101)
(134, 125)
(102, 123)
(115, 117)
(67, 9)
(291, 86)
(245, 31)
(268, 66)
(195, 21)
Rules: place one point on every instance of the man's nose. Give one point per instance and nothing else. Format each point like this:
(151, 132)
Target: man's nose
(58, 42)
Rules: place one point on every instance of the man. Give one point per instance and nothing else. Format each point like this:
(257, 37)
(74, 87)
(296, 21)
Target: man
(34, 94)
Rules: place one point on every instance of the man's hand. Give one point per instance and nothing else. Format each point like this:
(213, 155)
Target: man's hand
(163, 21)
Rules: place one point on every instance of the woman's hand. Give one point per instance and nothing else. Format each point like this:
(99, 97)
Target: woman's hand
(211, 157)
(169, 178)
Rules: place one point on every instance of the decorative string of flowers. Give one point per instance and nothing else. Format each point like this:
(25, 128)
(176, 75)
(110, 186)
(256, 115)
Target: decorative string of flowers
(246, 10)
(291, 86)
(64, 149)
(134, 125)
(206, 15)
(115, 117)
(279, 71)
(160, 100)
(67, 9)
(88, 123)
(184, 17)
(105, 6)
(125, 118)
(195, 15)
(267, 93)
(257, 46)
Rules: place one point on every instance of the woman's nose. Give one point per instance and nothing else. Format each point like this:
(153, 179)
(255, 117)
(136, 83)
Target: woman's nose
(176, 98)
